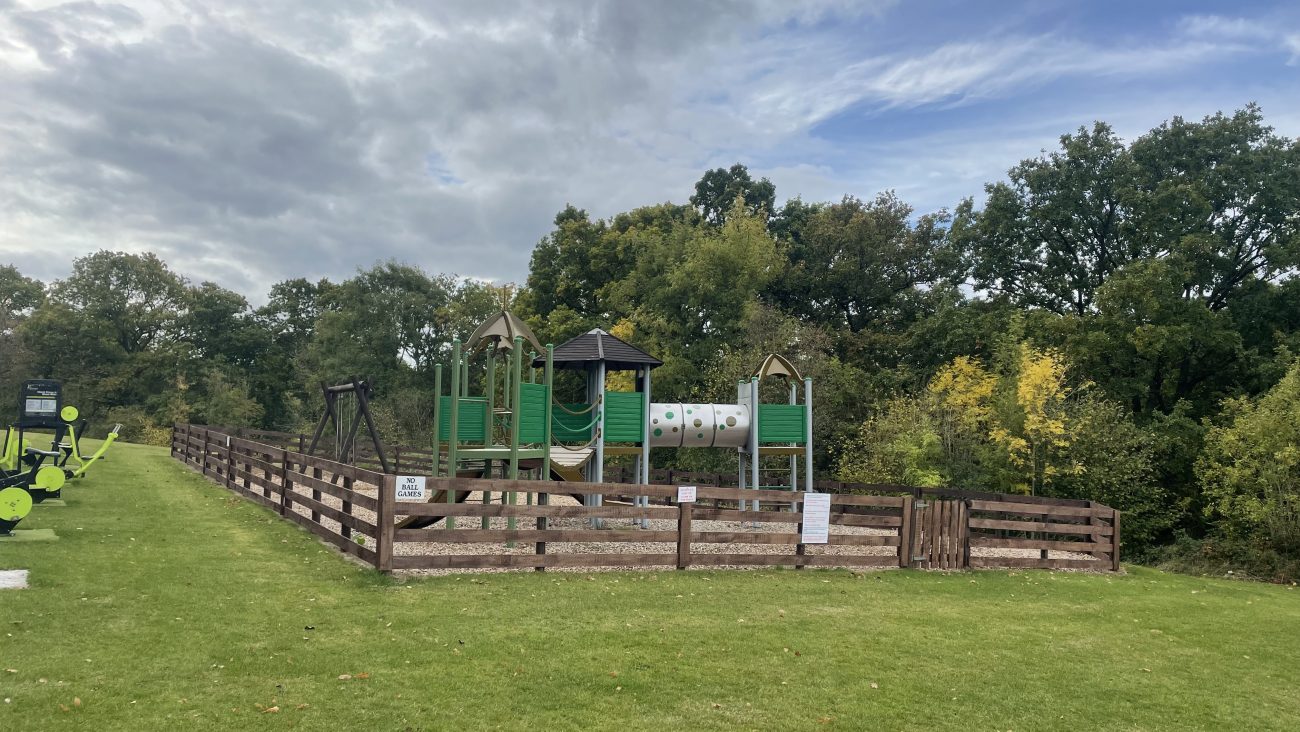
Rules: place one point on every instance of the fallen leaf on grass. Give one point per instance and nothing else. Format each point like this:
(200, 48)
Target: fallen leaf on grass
(271, 710)
(301, 706)
(362, 676)
(76, 701)
(874, 685)
(344, 677)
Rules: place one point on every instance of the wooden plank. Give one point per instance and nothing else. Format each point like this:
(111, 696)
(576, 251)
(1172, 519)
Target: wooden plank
(1029, 508)
(348, 471)
(249, 446)
(951, 534)
(1037, 563)
(481, 561)
(742, 537)
(806, 560)
(347, 520)
(964, 527)
(1051, 528)
(475, 536)
(997, 542)
(786, 517)
(1114, 552)
(252, 478)
(478, 509)
(905, 534)
(325, 533)
(359, 499)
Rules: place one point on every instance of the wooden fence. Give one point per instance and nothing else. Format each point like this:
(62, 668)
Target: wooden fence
(871, 525)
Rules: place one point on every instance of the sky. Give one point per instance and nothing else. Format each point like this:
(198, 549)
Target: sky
(247, 142)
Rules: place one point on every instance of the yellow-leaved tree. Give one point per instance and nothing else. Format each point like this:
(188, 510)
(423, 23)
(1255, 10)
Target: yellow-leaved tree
(1036, 435)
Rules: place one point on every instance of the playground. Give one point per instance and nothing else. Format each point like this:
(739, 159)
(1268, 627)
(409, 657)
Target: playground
(515, 478)
(246, 620)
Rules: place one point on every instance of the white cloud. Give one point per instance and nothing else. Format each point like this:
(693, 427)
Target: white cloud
(250, 141)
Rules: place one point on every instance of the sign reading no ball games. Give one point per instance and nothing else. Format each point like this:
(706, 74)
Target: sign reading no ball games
(816, 518)
(686, 494)
(410, 488)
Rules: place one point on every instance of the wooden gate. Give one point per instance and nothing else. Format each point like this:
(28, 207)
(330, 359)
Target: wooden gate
(940, 537)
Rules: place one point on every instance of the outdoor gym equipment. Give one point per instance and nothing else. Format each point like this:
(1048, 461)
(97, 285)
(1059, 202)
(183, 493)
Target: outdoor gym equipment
(19, 490)
(72, 446)
(39, 404)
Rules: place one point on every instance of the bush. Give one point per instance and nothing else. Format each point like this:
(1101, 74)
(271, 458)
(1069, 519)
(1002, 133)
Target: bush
(1250, 468)
(137, 426)
(1230, 557)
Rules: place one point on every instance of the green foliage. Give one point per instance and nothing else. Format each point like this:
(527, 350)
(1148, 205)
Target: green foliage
(719, 189)
(1250, 468)
(901, 444)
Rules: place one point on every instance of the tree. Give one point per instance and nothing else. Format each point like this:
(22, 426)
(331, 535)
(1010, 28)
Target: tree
(18, 296)
(717, 191)
(111, 331)
(1221, 198)
(1052, 235)
(854, 263)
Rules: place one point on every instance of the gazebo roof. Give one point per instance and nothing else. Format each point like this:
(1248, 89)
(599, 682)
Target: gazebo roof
(595, 346)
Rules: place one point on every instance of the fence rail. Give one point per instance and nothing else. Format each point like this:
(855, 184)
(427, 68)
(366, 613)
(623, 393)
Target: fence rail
(463, 525)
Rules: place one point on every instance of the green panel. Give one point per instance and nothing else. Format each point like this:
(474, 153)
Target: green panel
(572, 427)
(532, 412)
(624, 416)
(471, 422)
(782, 423)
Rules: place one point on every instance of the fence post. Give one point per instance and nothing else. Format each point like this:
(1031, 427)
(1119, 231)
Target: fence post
(284, 481)
(965, 534)
(203, 458)
(344, 529)
(1114, 544)
(230, 464)
(386, 531)
(684, 534)
(397, 459)
(905, 533)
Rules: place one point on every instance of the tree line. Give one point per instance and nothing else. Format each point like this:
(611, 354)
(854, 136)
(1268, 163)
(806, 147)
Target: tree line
(1115, 321)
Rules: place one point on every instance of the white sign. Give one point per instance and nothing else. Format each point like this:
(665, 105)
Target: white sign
(410, 488)
(686, 494)
(816, 518)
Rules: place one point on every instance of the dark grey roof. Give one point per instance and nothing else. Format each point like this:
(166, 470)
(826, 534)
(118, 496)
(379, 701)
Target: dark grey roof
(597, 345)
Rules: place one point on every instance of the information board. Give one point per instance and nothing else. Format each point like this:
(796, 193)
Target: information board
(686, 494)
(410, 488)
(816, 518)
(39, 402)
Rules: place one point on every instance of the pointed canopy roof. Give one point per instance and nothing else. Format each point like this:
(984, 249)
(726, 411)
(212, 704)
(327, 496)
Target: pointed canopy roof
(596, 345)
(777, 365)
(501, 329)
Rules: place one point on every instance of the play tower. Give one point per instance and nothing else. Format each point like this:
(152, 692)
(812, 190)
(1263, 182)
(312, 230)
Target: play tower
(514, 424)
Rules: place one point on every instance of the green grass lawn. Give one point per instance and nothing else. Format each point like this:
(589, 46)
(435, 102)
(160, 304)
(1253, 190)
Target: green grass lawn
(169, 603)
